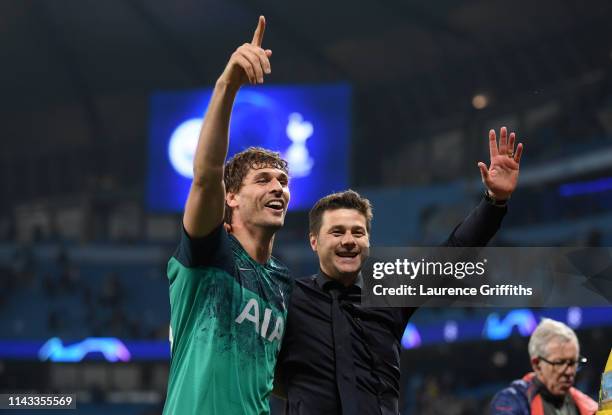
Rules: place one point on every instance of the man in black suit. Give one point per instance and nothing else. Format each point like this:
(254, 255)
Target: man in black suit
(339, 357)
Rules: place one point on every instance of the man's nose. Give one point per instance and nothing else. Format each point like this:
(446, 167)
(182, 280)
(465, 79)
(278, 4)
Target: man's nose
(348, 239)
(276, 186)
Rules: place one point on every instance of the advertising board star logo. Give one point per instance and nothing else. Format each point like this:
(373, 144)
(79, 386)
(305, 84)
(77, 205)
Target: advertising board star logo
(298, 131)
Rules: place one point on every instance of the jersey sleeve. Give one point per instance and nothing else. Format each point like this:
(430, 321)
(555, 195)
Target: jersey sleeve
(194, 273)
(212, 250)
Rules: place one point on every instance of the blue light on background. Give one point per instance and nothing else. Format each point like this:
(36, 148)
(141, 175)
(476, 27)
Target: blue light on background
(493, 327)
(586, 187)
(308, 125)
(500, 326)
(497, 328)
(111, 348)
(411, 338)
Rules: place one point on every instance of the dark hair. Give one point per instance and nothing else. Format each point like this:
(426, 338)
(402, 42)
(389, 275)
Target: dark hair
(237, 168)
(349, 199)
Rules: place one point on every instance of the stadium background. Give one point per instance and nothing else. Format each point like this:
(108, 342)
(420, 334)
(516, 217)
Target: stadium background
(81, 256)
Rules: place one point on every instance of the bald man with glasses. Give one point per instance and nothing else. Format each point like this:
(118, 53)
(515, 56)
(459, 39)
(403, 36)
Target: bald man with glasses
(554, 353)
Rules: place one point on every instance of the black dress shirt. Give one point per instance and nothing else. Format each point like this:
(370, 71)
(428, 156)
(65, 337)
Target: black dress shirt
(341, 358)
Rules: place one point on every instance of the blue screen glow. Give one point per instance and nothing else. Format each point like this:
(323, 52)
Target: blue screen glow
(111, 348)
(494, 326)
(308, 125)
(586, 187)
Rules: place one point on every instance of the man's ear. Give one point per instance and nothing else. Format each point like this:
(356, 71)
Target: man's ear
(230, 199)
(535, 364)
(313, 241)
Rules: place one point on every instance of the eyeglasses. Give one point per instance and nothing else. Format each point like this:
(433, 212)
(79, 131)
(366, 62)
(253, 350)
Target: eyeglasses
(561, 365)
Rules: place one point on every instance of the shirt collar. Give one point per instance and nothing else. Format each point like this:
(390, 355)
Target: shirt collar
(557, 401)
(325, 282)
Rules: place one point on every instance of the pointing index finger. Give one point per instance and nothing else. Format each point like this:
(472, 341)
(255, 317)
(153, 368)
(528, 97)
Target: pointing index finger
(259, 32)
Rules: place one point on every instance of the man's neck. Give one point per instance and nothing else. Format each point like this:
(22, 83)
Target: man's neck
(256, 242)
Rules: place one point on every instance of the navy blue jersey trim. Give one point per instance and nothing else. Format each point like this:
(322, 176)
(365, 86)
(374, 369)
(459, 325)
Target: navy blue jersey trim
(212, 250)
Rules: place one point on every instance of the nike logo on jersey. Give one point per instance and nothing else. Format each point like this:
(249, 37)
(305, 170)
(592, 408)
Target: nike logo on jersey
(251, 313)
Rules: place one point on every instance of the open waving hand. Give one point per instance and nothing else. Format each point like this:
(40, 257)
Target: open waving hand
(501, 177)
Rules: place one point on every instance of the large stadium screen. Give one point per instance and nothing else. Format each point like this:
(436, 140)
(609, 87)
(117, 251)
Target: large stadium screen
(309, 125)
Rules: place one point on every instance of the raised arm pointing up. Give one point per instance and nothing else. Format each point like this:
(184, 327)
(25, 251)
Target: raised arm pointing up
(206, 201)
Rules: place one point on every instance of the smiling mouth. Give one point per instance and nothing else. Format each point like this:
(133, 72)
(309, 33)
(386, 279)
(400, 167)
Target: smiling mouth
(347, 254)
(277, 205)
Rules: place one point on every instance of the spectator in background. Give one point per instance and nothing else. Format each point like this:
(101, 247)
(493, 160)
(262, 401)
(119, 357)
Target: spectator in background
(554, 354)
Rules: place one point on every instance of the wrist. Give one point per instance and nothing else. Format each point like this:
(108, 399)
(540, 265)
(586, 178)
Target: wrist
(223, 85)
(496, 200)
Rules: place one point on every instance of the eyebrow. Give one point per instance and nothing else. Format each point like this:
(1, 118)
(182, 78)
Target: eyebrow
(352, 228)
(267, 174)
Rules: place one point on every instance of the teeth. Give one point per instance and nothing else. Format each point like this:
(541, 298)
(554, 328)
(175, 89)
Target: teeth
(275, 204)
